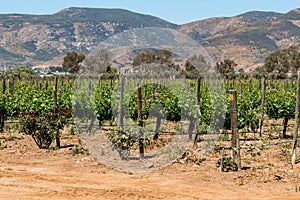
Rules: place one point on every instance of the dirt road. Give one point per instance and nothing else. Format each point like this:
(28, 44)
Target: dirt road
(27, 172)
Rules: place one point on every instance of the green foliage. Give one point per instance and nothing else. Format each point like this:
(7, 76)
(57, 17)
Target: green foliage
(21, 72)
(43, 127)
(228, 164)
(79, 149)
(156, 56)
(280, 102)
(248, 105)
(72, 61)
(226, 67)
(32, 103)
(282, 61)
(34, 108)
(103, 103)
(25, 99)
(156, 94)
(84, 100)
(124, 141)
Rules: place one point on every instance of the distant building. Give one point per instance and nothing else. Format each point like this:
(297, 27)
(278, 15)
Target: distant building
(240, 71)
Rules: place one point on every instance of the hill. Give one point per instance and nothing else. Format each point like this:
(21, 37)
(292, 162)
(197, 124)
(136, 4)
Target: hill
(45, 39)
(36, 39)
(246, 38)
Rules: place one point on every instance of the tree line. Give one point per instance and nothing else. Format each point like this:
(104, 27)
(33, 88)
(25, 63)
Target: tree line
(278, 63)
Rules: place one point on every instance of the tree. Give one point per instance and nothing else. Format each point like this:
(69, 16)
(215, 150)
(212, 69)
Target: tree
(190, 71)
(72, 61)
(20, 72)
(159, 56)
(193, 66)
(111, 70)
(294, 56)
(226, 67)
(283, 61)
(99, 62)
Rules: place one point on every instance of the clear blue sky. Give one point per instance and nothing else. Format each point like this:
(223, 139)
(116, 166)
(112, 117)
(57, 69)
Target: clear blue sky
(176, 11)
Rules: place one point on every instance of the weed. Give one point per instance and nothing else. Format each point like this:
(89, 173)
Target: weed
(2, 146)
(79, 149)
(224, 137)
(73, 130)
(262, 167)
(254, 154)
(248, 162)
(54, 148)
(244, 134)
(284, 152)
(285, 149)
(264, 147)
(298, 159)
(228, 164)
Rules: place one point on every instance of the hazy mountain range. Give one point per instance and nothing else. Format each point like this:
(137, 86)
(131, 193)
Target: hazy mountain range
(45, 39)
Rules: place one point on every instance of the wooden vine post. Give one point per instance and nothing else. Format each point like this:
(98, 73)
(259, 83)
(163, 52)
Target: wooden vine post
(235, 141)
(140, 122)
(197, 111)
(121, 112)
(89, 88)
(295, 135)
(3, 86)
(263, 94)
(57, 138)
(2, 114)
(11, 85)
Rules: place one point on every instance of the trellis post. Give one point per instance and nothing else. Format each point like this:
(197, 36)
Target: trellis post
(295, 135)
(56, 109)
(235, 142)
(263, 89)
(140, 122)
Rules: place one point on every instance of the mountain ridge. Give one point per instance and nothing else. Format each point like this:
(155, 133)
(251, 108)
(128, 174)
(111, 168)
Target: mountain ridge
(44, 39)
(247, 38)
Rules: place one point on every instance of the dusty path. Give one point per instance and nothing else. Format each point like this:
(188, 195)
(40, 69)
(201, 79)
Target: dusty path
(27, 172)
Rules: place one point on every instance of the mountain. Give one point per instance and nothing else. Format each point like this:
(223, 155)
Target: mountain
(45, 39)
(248, 38)
(36, 39)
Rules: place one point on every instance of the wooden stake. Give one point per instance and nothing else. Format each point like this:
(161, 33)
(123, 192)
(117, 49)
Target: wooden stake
(3, 86)
(2, 114)
(140, 122)
(234, 128)
(295, 135)
(196, 121)
(285, 124)
(121, 112)
(89, 88)
(263, 94)
(222, 160)
(57, 136)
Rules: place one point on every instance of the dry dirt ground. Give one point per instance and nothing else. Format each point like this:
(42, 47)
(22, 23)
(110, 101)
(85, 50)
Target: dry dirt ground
(27, 172)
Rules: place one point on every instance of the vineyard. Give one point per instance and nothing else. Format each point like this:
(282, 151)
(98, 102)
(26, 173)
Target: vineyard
(42, 108)
(141, 126)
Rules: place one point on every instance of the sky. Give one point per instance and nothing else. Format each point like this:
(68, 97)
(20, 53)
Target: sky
(175, 11)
